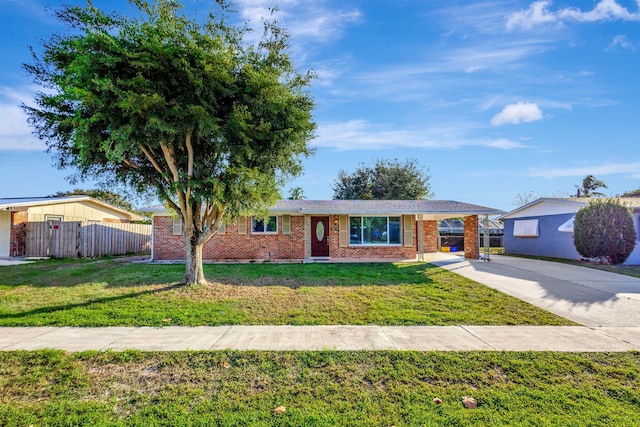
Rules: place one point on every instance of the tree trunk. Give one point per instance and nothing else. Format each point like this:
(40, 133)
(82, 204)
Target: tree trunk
(194, 271)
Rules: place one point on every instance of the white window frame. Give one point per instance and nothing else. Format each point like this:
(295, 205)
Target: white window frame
(376, 245)
(264, 223)
(53, 218)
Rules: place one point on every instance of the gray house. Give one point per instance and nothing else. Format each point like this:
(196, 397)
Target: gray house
(544, 227)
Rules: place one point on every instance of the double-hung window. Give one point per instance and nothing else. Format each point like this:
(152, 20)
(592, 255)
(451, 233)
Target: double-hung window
(264, 225)
(374, 230)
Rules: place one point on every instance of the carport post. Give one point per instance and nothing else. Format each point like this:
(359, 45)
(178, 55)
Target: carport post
(485, 237)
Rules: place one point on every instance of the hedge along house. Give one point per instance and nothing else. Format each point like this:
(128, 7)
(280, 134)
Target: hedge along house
(15, 213)
(307, 230)
(544, 227)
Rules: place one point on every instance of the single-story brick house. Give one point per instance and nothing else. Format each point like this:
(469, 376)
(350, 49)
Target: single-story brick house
(16, 212)
(544, 227)
(304, 230)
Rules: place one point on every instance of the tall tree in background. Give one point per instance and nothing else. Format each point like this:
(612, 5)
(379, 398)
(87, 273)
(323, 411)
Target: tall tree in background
(385, 180)
(296, 193)
(191, 111)
(522, 199)
(589, 186)
(632, 193)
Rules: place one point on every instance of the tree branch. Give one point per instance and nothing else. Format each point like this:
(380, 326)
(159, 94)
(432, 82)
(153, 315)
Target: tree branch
(189, 162)
(152, 159)
(171, 164)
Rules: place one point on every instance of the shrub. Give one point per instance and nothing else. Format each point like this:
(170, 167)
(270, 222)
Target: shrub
(604, 229)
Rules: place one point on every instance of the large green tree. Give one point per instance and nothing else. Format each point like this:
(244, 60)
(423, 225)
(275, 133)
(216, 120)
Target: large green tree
(186, 108)
(385, 180)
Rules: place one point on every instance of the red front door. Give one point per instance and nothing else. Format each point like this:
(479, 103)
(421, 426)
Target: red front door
(319, 236)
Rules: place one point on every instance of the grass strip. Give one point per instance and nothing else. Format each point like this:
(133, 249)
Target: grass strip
(318, 388)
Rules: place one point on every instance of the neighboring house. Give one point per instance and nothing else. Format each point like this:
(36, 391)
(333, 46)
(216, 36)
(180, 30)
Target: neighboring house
(298, 230)
(16, 212)
(544, 227)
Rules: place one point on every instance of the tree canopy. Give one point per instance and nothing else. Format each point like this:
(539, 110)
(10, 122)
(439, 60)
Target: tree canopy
(631, 193)
(525, 198)
(385, 180)
(189, 110)
(604, 229)
(589, 186)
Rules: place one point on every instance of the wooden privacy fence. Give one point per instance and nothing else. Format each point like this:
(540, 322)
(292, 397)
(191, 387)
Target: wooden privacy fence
(75, 239)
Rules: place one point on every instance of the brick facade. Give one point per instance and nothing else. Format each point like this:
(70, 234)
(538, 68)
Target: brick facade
(297, 246)
(231, 245)
(250, 246)
(18, 233)
(430, 232)
(471, 239)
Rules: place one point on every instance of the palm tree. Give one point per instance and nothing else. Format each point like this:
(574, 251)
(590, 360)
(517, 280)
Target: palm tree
(589, 185)
(296, 193)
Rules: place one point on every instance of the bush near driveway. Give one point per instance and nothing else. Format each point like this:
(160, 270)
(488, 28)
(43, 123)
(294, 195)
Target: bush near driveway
(604, 229)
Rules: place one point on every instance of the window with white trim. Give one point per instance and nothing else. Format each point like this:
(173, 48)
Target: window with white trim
(374, 230)
(264, 225)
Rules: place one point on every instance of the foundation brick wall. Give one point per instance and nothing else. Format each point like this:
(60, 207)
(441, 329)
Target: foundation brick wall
(471, 239)
(231, 245)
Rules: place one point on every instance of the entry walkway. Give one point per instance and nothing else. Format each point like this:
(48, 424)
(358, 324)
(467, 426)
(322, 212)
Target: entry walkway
(298, 338)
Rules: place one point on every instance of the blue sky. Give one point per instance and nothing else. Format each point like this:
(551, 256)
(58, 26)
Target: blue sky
(496, 98)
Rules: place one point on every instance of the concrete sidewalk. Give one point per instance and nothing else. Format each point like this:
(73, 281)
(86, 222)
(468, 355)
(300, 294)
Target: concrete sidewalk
(281, 338)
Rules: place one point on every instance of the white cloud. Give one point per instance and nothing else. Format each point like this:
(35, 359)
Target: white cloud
(15, 133)
(621, 42)
(309, 20)
(539, 13)
(504, 144)
(606, 169)
(362, 135)
(517, 113)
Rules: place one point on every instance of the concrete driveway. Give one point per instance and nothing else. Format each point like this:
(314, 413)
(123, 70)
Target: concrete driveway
(585, 295)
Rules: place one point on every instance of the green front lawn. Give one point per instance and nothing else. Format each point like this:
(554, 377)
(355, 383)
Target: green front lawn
(318, 389)
(119, 293)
